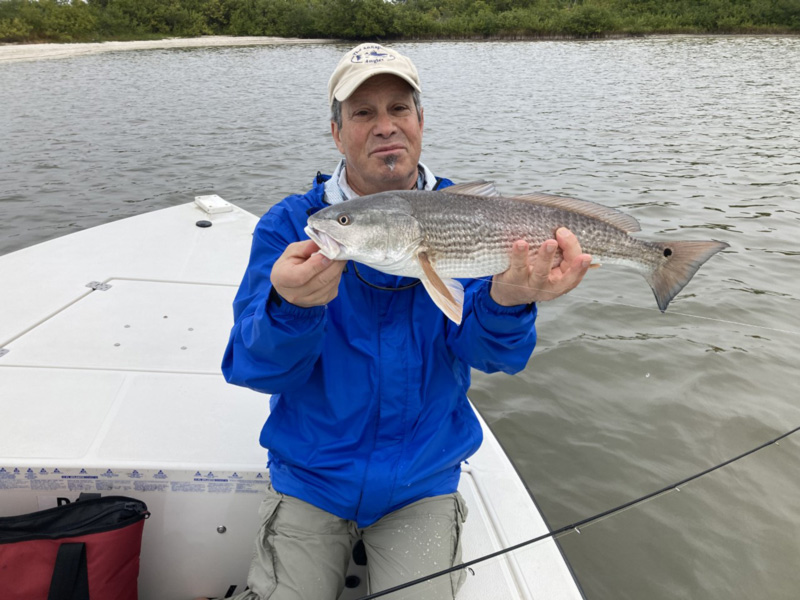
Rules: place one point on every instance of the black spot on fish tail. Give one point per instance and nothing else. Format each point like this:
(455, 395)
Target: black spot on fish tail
(681, 261)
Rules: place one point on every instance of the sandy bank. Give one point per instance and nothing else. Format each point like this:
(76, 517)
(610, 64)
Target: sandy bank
(14, 53)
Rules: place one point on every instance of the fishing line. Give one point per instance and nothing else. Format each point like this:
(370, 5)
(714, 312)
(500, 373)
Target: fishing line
(575, 527)
(672, 312)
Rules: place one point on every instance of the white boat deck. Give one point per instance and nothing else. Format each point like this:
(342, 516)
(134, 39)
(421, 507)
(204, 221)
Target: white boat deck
(118, 389)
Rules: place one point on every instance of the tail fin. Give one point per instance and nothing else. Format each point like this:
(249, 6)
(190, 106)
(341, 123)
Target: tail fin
(683, 259)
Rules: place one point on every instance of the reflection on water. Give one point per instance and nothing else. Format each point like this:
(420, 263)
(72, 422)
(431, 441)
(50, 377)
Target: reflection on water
(695, 137)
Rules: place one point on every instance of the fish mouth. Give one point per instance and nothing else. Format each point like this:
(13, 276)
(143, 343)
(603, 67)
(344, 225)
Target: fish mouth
(328, 246)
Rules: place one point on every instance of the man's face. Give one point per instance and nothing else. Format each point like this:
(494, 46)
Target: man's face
(381, 136)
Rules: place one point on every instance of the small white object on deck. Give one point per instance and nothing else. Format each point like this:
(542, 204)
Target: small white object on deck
(213, 204)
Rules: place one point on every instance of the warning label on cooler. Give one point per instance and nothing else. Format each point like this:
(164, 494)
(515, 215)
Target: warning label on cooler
(44, 479)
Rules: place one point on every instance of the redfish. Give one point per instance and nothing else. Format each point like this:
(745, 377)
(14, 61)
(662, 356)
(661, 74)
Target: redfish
(467, 231)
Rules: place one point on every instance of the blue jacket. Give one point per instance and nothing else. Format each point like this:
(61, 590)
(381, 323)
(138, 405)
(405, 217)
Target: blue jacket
(369, 408)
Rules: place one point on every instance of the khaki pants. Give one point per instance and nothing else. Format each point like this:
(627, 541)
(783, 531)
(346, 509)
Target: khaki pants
(302, 552)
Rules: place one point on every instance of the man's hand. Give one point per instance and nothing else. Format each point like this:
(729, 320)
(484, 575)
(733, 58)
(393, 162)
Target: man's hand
(536, 280)
(304, 278)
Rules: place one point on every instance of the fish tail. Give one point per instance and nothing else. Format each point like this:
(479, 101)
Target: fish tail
(681, 261)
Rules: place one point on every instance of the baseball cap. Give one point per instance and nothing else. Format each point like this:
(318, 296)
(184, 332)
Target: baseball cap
(365, 61)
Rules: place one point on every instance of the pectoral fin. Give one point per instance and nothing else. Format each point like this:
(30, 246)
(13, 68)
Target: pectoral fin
(447, 294)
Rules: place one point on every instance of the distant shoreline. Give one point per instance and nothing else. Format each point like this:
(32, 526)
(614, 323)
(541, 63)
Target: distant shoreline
(25, 52)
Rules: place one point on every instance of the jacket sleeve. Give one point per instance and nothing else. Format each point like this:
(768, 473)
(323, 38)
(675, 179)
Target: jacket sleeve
(273, 344)
(492, 337)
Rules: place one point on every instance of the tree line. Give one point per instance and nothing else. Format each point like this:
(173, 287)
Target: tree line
(100, 20)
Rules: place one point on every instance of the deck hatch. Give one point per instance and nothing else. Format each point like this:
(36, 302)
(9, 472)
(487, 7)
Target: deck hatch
(137, 325)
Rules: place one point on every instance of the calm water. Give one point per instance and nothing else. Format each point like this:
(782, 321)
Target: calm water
(696, 137)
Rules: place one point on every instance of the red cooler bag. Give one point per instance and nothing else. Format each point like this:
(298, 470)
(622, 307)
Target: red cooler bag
(86, 550)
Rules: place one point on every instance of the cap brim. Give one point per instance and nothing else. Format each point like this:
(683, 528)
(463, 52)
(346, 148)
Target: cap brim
(346, 87)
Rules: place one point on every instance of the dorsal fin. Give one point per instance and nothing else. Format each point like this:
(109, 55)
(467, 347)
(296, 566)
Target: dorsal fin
(606, 214)
(473, 188)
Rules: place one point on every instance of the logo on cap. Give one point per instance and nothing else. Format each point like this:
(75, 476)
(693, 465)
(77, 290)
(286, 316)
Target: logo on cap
(371, 54)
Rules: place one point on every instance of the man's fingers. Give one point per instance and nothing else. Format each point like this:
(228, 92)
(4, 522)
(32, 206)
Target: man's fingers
(574, 274)
(316, 291)
(329, 275)
(306, 253)
(305, 277)
(302, 250)
(316, 278)
(316, 264)
(544, 259)
(570, 247)
(519, 256)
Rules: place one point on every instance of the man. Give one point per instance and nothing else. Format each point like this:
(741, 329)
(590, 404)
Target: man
(369, 417)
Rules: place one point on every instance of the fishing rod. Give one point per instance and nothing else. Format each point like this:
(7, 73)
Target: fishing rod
(587, 521)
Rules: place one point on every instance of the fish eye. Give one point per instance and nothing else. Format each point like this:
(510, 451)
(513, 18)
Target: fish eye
(343, 219)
